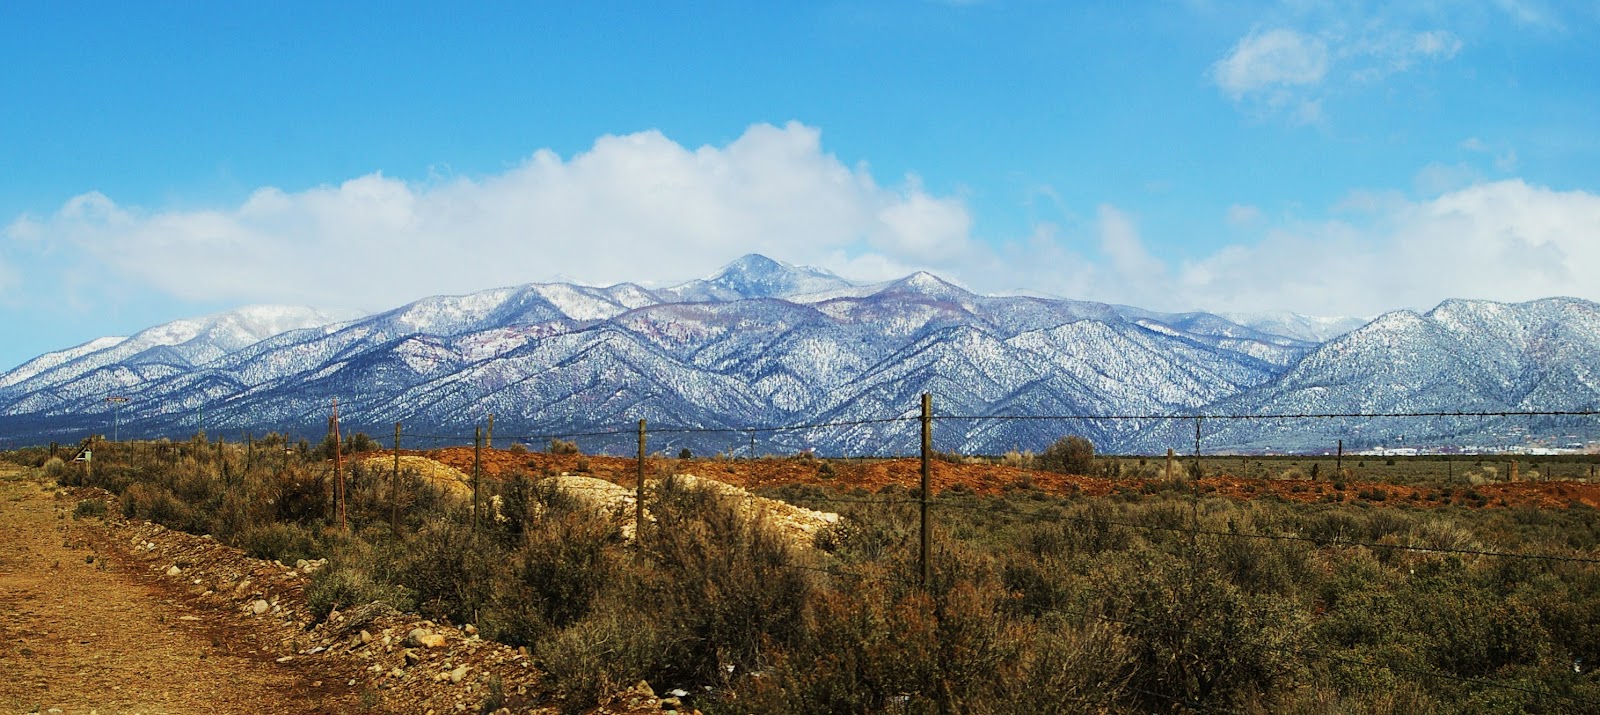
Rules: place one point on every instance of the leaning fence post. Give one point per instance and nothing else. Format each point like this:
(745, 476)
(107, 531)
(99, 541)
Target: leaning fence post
(638, 497)
(927, 448)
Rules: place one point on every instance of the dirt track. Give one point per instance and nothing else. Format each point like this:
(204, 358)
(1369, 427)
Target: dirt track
(83, 630)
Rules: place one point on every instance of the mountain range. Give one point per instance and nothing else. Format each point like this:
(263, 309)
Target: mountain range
(766, 344)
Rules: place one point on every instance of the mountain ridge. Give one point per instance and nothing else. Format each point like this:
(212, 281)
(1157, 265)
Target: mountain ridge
(763, 342)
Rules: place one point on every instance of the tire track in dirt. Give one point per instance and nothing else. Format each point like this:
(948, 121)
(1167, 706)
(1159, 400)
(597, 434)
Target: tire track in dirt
(81, 633)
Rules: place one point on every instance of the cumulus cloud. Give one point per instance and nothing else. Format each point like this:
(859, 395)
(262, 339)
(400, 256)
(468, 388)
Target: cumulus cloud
(1504, 240)
(629, 208)
(1267, 61)
(641, 207)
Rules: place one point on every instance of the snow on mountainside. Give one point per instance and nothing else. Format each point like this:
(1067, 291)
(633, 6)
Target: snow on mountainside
(1310, 328)
(1463, 356)
(107, 365)
(767, 343)
(755, 276)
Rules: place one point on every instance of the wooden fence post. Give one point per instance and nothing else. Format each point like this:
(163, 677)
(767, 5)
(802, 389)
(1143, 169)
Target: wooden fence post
(927, 449)
(638, 497)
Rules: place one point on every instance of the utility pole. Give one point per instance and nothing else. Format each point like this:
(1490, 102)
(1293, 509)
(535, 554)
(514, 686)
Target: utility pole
(116, 412)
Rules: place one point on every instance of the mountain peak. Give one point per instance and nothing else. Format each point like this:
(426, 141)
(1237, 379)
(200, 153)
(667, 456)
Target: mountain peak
(756, 276)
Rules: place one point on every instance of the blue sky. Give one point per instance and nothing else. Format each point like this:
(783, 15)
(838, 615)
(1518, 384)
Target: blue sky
(166, 160)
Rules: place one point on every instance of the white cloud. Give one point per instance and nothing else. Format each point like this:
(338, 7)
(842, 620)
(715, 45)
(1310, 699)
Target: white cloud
(1244, 215)
(630, 208)
(1316, 50)
(643, 208)
(1265, 61)
(1504, 240)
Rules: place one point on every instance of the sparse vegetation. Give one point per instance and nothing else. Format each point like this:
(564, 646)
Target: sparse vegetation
(1071, 455)
(1041, 598)
(562, 446)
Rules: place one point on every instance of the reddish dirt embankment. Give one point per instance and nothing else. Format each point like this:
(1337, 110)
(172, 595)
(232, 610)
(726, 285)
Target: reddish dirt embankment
(873, 475)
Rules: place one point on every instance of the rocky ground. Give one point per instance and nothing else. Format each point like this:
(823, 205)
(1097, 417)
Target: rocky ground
(105, 615)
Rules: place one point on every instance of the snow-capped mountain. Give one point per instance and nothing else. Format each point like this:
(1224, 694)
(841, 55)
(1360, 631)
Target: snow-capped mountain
(764, 343)
(1463, 356)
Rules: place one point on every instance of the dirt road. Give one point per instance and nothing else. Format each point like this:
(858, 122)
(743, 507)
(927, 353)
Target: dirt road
(85, 630)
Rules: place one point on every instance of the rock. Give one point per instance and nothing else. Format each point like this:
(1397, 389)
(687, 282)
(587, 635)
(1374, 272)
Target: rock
(432, 640)
(678, 692)
(414, 638)
(470, 629)
(173, 570)
(671, 704)
(457, 674)
(412, 657)
(259, 607)
(366, 637)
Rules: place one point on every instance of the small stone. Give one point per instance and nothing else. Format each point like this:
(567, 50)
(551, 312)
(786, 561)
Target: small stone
(432, 640)
(397, 673)
(366, 637)
(173, 570)
(414, 638)
(259, 607)
(671, 704)
(457, 674)
(470, 629)
(412, 657)
(286, 659)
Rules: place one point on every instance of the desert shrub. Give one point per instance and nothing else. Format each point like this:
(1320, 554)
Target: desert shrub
(724, 585)
(451, 572)
(300, 493)
(360, 442)
(355, 575)
(606, 651)
(1020, 460)
(567, 558)
(1194, 636)
(156, 504)
(562, 446)
(89, 509)
(280, 541)
(1071, 454)
(57, 469)
(685, 453)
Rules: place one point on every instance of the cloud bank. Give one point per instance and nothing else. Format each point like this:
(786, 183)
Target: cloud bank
(641, 207)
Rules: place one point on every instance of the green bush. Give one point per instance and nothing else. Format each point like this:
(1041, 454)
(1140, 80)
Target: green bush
(282, 542)
(1071, 454)
(89, 508)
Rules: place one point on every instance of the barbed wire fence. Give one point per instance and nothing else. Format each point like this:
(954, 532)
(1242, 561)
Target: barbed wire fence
(919, 497)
